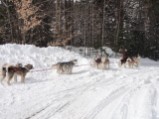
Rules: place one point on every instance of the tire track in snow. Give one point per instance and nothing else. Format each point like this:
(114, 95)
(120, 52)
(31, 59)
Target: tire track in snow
(78, 92)
(124, 103)
(68, 93)
(124, 90)
(154, 98)
(126, 100)
(106, 82)
(106, 101)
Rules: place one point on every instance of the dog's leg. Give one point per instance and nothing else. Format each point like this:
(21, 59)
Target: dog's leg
(108, 65)
(129, 64)
(59, 71)
(2, 79)
(3, 75)
(10, 76)
(23, 79)
(124, 65)
(70, 72)
(15, 77)
(120, 64)
(104, 66)
(137, 62)
(8, 82)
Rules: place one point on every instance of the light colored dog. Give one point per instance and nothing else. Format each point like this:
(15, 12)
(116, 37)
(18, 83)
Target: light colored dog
(101, 63)
(10, 71)
(65, 67)
(133, 62)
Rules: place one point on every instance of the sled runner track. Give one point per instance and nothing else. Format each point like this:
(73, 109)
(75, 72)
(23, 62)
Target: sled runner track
(154, 98)
(107, 100)
(72, 93)
(75, 98)
(35, 115)
(123, 104)
(47, 93)
(122, 91)
(69, 93)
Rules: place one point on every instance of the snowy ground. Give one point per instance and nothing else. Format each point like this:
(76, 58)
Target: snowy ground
(117, 93)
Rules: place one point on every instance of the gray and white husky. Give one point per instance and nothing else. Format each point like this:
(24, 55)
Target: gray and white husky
(65, 67)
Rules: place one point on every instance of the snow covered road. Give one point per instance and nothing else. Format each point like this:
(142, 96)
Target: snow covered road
(117, 93)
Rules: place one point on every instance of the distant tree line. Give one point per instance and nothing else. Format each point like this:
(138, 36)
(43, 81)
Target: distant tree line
(131, 24)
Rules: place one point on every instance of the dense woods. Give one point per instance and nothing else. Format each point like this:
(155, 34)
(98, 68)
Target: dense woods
(133, 24)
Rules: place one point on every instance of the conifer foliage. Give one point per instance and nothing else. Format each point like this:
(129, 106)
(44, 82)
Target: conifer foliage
(133, 24)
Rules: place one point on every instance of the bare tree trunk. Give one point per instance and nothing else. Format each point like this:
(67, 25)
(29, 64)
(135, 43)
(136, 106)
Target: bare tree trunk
(9, 19)
(103, 24)
(119, 22)
(58, 17)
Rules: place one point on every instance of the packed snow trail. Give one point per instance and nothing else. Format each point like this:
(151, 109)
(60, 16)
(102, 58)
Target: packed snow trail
(117, 93)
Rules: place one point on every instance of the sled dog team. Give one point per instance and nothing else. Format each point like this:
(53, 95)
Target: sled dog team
(12, 71)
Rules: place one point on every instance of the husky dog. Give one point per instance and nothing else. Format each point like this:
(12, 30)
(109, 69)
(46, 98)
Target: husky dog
(133, 62)
(101, 63)
(11, 71)
(65, 67)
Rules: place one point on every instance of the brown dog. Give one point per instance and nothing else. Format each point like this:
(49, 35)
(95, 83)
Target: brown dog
(132, 54)
(10, 71)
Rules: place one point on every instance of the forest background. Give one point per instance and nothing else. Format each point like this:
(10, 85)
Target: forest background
(131, 24)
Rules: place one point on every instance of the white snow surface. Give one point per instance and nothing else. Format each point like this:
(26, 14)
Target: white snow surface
(88, 93)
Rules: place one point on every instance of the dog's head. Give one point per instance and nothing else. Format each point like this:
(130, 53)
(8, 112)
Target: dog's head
(19, 65)
(129, 60)
(74, 61)
(98, 60)
(55, 66)
(29, 67)
(104, 59)
(136, 59)
(122, 50)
